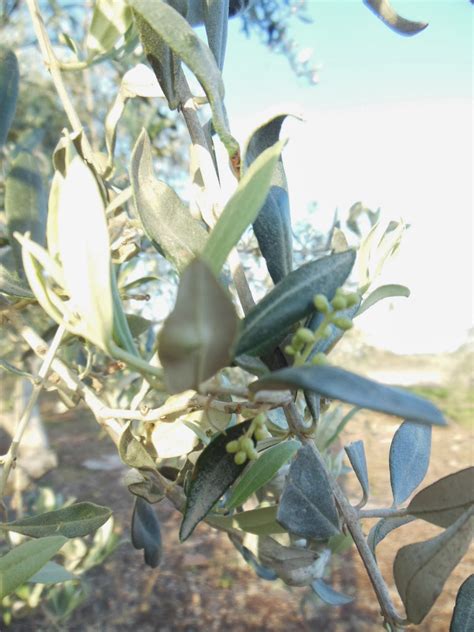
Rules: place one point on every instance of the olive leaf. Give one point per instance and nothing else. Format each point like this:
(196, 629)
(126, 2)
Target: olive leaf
(133, 453)
(445, 500)
(12, 285)
(9, 82)
(146, 533)
(164, 216)
(409, 458)
(421, 569)
(384, 10)
(272, 226)
(197, 337)
(74, 521)
(291, 300)
(52, 573)
(296, 566)
(261, 521)
(463, 615)
(330, 596)
(216, 17)
(356, 453)
(336, 383)
(261, 571)
(382, 292)
(213, 474)
(385, 526)
(307, 506)
(110, 21)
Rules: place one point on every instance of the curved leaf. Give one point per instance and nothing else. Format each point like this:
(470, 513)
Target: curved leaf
(146, 533)
(262, 471)
(197, 337)
(272, 226)
(307, 506)
(383, 10)
(74, 521)
(9, 82)
(242, 208)
(330, 596)
(213, 474)
(421, 569)
(409, 458)
(356, 453)
(22, 562)
(383, 527)
(110, 21)
(291, 300)
(335, 383)
(384, 291)
(463, 615)
(173, 29)
(444, 501)
(164, 216)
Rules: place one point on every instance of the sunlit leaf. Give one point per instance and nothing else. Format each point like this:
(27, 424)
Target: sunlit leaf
(9, 82)
(356, 453)
(384, 10)
(335, 383)
(409, 458)
(146, 533)
(110, 21)
(133, 453)
(197, 337)
(330, 596)
(463, 615)
(52, 573)
(382, 292)
(421, 569)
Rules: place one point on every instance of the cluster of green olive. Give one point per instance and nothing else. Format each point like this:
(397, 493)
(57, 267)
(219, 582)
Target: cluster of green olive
(244, 447)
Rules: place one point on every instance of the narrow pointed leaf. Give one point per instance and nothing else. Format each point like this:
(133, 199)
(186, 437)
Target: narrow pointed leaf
(74, 521)
(421, 569)
(335, 383)
(242, 208)
(216, 17)
(330, 596)
(463, 615)
(214, 473)
(382, 292)
(164, 216)
(22, 562)
(146, 533)
(110, 21)
(173, 29)
(384, 10)
(12, 285)
(383, 527)
(409, 458)
(197, 337)
(52, 573)
(272, 226)
(444, 501)
(262, 521)
(307, 506)
(262, 471)
(291, 300)
(9, 81)
(356, 453)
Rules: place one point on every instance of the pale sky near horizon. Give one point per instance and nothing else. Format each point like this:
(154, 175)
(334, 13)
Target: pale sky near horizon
(390, 124)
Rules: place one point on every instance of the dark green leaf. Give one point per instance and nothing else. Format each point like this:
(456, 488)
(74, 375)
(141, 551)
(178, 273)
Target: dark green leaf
(409, 458)
(307, 506)
(421, 569)
(146, 533)
(383, 528)
(22, 562)
(197, 337)
(336, 383)
(213, 474)
(12, 285)
(9, 81)
(385, 291)
(262, 471)
(74, 521)
(216, 16)
(52, 573)
(463, 615)
(164, 216)
(330, 596)
(444, 501)
(383, 10)
(356, 453)
(273, 224)
(291, 300)
(138, 325)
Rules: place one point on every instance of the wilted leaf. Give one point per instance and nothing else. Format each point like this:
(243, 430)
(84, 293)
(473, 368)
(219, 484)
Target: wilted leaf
(330, 596)
(197, 337)
(52, 573)
(262, 471)
(356, 453)
(133, 453)
(307, 506)
(146, 533)
(110, 21)
(165, 218)
(264, 573)
(409, 458)
(444, 501)
(463, 615)
(9, 81)
(296, 566)
(242, 208)
(383, 527)
(291, 300)
(22, 562)
(139, 485)
(384, 291)
(335, 383)
(383, 9)
(213, 474)
(421, 569)
(272, 226)
(74, 521)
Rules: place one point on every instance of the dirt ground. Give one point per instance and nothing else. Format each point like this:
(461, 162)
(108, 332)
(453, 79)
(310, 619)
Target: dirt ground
(203, 585)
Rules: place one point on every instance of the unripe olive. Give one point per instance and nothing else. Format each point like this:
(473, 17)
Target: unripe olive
(305, 335)
(289, 350)
(246, 444)
(240, 457)
(261, 433)
(260, 420)
(319, 359)
(343, 323)
(326, 332)
(296, 343)
(321, 303)
(232, 446)
(339, 302)
(252, 454)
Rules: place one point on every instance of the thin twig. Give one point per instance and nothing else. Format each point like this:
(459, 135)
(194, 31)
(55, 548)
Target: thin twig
(390, 512)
